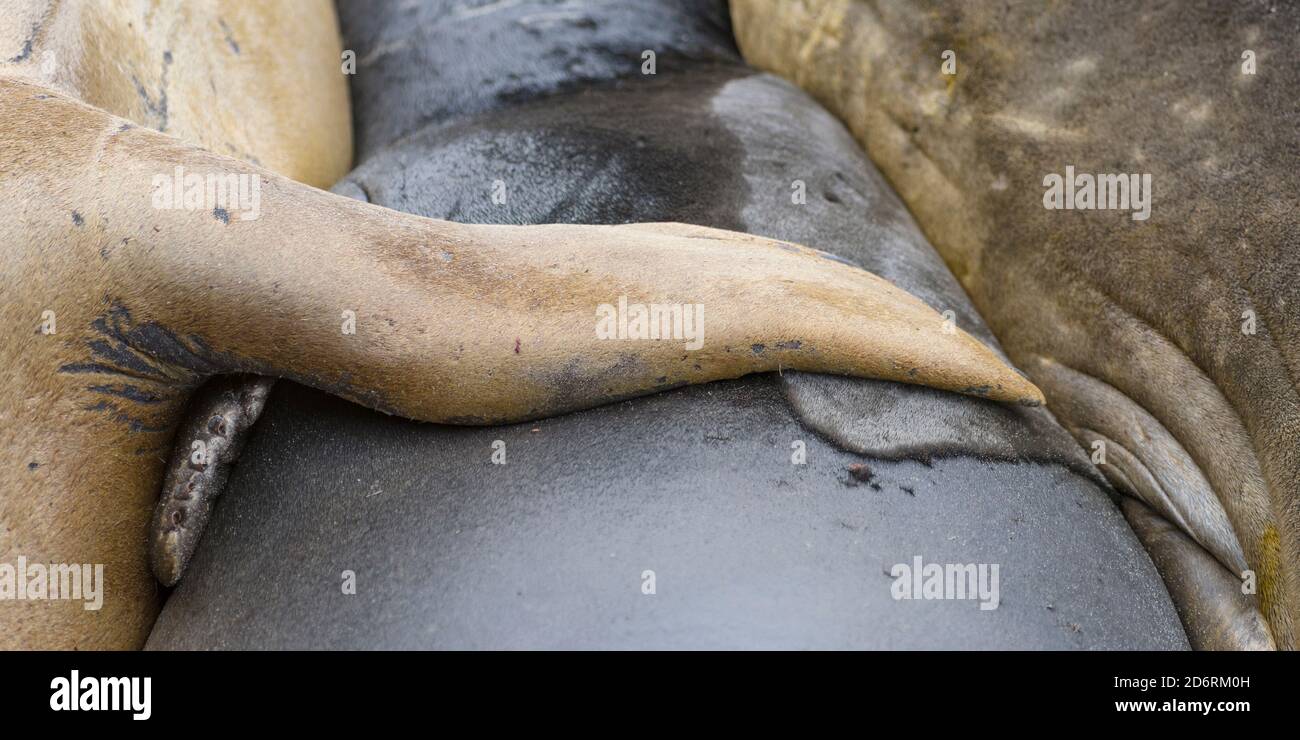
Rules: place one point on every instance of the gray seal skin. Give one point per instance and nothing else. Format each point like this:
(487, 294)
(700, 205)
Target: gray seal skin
(1172, 341)
(691, 491)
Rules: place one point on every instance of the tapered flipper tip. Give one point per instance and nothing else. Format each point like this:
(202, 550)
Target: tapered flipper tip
(757, 304)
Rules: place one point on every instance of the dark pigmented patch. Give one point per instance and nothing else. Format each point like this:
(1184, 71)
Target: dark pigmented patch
(156, 108)
(77, 220)
(576, 382)
(27, 44)
(160, 343)
(147, 351)
(26, 52)
(230, 36)
(757, 348)
(33, 465)
(73, 368)
(793, 344)
(121, 356)
(126, 391)
(221, 214)
(117, 414)
(106, 251)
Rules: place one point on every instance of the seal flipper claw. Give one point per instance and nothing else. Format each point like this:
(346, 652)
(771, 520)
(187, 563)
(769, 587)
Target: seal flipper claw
(207, 445)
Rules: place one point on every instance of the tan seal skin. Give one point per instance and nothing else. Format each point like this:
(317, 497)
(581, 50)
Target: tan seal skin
(257, 81)
(455, 324)
(1133, 330)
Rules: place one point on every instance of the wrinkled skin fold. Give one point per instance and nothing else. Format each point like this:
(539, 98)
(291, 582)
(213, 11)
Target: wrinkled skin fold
(1136, 330)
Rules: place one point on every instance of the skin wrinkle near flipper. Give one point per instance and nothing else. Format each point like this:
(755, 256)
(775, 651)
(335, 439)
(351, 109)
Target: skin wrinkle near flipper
(1165, 477)
(1200, 585)
(968, 152)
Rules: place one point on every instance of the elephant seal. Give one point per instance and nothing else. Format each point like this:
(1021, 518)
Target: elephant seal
(1164, 334)
(767, 511)
(124, 293)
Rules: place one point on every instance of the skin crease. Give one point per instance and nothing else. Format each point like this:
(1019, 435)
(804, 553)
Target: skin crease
(1127, 325)
(455, 324)
(1200, 583)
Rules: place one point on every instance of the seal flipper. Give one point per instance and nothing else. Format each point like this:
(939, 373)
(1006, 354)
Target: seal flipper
(207, 445)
